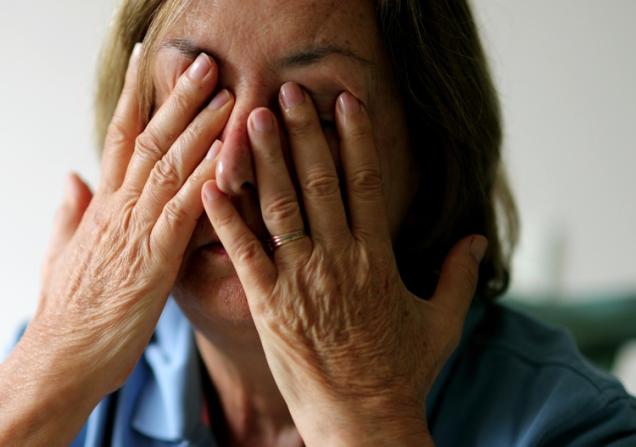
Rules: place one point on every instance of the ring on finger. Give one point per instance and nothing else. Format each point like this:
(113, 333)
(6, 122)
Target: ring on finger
(278, 241)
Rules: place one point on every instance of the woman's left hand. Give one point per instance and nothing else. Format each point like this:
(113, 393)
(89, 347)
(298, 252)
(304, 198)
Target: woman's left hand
(353, 352)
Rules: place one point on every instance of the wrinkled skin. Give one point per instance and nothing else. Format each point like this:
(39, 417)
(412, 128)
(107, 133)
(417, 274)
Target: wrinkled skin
(316, 310)
(348, 345)
(350, 352)
(250, 54)
(115, 256)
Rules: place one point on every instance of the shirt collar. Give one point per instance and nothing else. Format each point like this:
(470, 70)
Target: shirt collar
(170, 400)
(169, 405)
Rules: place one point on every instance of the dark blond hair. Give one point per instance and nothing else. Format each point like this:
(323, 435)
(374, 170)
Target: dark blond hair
(453, 116)
(455, 127)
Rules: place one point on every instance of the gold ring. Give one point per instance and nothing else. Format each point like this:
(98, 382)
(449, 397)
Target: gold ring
(278, 241)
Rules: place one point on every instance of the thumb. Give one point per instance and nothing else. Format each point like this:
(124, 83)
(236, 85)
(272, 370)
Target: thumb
(460, 275)
(77, 197)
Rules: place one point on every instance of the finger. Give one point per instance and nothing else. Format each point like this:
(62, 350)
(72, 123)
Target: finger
(124, 127)
(172, 171)
(277, 196)
(460, 275)
(314, 166)
(77, 197)
(366, 203)
(254, 268)
(173, 230)
(172, 118)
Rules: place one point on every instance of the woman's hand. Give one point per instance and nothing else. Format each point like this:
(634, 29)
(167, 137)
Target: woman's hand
(77, 197)
(115, 256)
(353, 352)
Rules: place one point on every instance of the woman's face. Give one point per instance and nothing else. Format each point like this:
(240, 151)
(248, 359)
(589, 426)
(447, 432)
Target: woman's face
(326, 46)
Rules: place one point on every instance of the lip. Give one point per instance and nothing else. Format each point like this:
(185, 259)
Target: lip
(209, 242)
(214, 247)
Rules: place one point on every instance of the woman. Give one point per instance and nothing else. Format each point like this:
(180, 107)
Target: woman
(285, 244)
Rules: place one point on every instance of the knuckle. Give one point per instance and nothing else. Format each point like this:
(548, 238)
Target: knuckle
(165, 175)
(247, 249)
(467, 272)
(321, 182)
(117, 133)
(176, 216)
(359, 130)
(181, 100)
(302, 124)
(147, 145)
(271, 154)
(191, 134)
(101, 221)
(367, 180)
(130, 86)
(129, 194)
(198, 178)
(226, 220)
(282, 208)
(139, 217)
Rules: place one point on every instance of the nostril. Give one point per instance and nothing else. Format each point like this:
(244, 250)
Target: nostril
(234, 173)
(249, 188)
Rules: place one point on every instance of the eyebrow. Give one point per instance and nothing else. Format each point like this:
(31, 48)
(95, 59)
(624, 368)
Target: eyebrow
(302, 58)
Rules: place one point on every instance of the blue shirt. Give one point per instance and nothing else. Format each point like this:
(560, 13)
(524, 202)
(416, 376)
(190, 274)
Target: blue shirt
(513, 381)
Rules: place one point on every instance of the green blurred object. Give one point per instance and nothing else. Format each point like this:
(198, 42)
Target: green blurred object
(599, 324)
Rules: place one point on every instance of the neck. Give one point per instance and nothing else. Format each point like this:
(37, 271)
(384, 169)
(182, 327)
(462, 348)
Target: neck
(254, 411)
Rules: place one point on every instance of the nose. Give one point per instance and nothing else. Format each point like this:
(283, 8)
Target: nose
(234, 170)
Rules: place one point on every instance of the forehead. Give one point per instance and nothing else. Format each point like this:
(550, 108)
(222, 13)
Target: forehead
(272, 28)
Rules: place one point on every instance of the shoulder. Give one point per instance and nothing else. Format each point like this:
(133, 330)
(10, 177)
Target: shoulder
(522, 382)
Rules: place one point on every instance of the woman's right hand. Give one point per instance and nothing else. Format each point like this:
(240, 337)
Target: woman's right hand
(116, 255)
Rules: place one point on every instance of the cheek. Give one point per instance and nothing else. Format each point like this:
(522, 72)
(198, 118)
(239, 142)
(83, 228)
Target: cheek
(397, 167)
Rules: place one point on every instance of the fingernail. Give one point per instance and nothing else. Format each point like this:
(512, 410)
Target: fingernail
(220, 99)
(348, 103)
(214, 150)
(262, 121)
(478, 247)
(209, 192)
(200, 67)
(291, 95)
(219, 169)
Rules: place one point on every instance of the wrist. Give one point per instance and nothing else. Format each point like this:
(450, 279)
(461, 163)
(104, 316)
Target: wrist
(403, 433)
(42, 402)
(362, 425)
(74, 357)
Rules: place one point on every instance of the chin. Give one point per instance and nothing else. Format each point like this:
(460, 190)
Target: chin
(209, 292)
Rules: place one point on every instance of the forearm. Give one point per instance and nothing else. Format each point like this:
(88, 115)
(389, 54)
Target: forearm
(40, 407)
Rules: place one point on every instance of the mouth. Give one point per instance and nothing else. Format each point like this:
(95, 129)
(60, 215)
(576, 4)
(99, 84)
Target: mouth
(214, 248)
(217, 248)
(205, 239)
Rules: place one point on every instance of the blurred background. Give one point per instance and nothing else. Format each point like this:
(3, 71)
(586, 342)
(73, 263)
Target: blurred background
(566, 73)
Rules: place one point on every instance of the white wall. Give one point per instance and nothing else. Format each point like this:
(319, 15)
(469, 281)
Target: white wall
(48, 51)
(565, 69)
